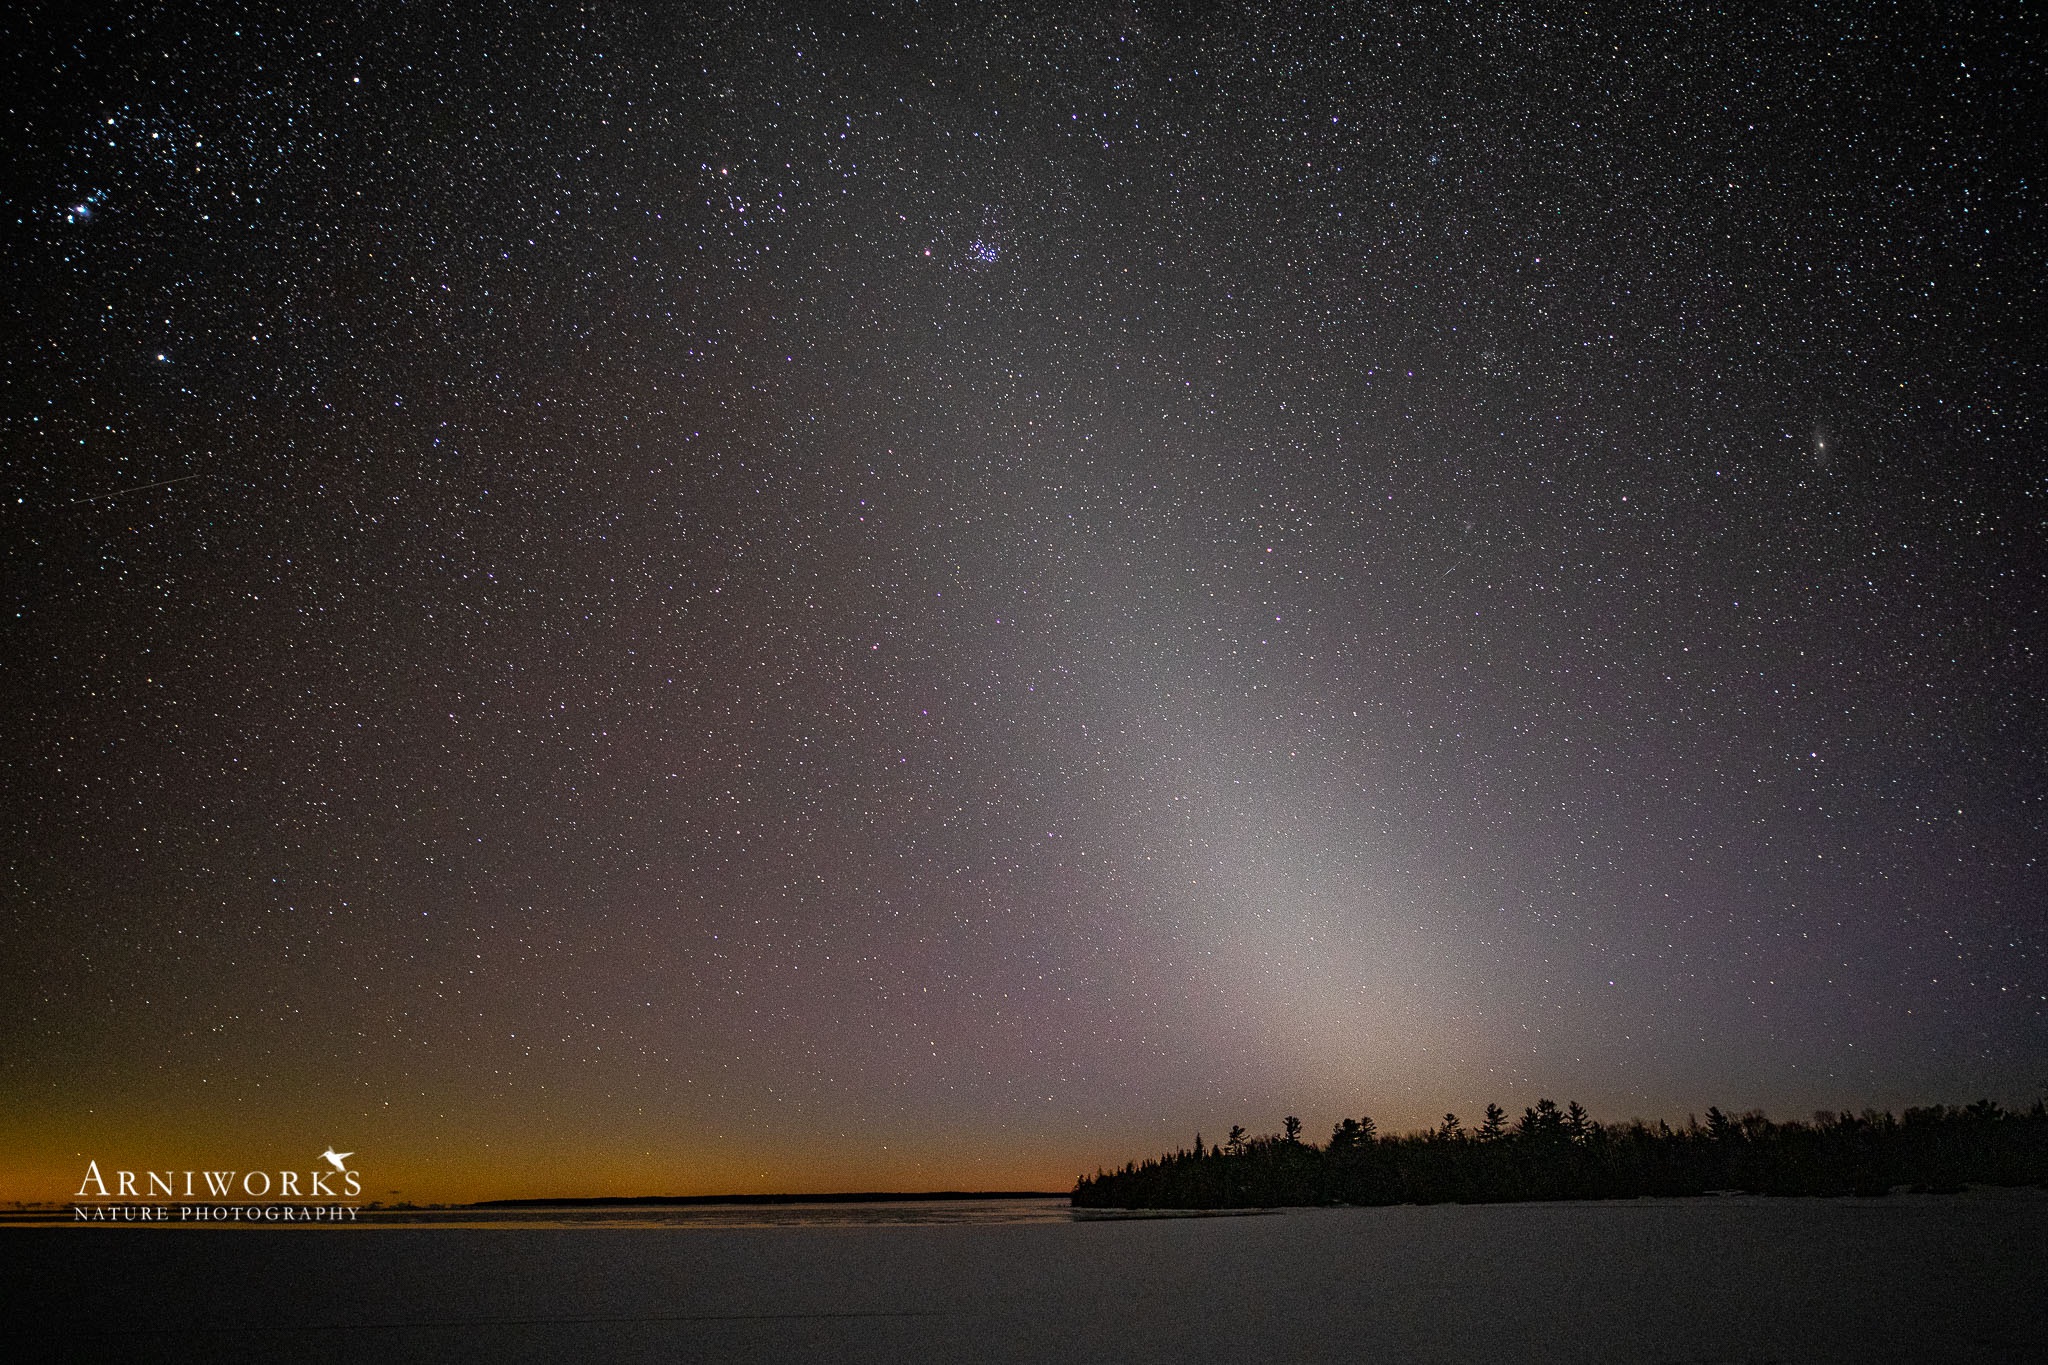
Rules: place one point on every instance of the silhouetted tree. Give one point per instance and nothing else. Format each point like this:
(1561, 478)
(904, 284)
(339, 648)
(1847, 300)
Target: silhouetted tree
(1576, 1122)
(1495, 1126)
(1541, 1124)
(1450, 1130)
(1291, 1126)
(1234, 1144)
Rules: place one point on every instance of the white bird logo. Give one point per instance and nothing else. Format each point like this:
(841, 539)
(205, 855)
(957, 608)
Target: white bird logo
(339, 1160)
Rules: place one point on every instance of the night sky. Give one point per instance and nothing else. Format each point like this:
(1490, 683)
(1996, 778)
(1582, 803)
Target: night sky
(635, 601)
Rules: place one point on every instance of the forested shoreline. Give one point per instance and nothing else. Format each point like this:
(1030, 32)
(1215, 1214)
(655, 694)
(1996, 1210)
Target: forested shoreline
(1553, 1153)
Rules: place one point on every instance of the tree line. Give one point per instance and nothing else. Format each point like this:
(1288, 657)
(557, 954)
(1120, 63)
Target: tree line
(1553, 1153)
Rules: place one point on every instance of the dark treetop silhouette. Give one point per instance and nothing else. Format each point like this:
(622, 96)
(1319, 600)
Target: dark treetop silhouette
(1552, 1153)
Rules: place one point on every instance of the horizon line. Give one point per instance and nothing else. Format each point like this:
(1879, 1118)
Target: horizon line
(838, 1197)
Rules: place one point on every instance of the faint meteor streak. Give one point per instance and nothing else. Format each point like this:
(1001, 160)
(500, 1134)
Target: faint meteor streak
(138, 488)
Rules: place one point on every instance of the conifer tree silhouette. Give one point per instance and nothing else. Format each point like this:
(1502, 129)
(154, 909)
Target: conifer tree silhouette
(1541, 1124)
(1577, 1123)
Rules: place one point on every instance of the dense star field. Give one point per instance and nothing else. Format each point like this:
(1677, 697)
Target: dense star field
(605, 600)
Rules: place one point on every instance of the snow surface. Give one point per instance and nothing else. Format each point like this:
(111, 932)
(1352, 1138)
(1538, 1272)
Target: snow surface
(1923, 1278)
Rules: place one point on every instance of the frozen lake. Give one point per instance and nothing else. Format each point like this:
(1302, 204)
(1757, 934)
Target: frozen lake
(1962, 1278)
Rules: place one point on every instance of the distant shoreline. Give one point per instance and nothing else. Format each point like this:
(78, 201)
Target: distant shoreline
(41, 1211)
(679, 1200)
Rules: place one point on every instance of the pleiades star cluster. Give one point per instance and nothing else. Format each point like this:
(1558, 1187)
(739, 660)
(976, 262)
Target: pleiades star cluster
(652, 599)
